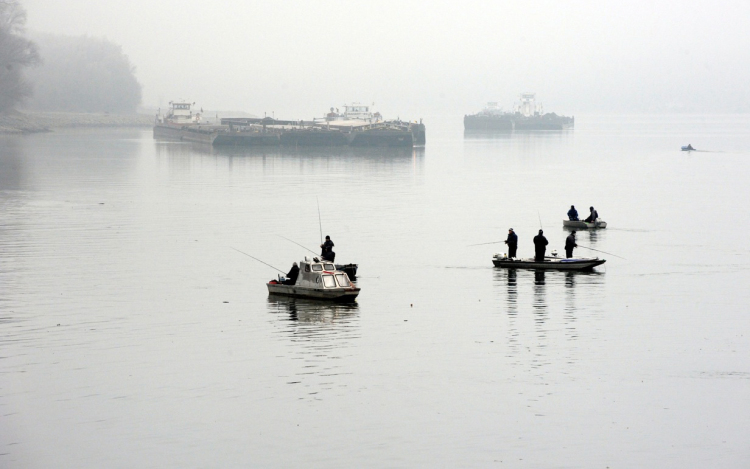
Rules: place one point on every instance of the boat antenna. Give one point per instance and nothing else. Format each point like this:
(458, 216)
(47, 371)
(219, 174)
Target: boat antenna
(248, 255)
(298, 244)
(319, 222)
(603, 252)
(482, 244)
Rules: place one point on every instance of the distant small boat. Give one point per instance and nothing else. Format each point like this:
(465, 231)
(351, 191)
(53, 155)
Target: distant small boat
(550, 263)
(584, 225)
(687, 148)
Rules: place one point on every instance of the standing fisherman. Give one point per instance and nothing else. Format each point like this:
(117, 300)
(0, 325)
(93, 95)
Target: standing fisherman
(540, 246)
(512, 243)
(327, 250)
(573, 213)
(570, 243)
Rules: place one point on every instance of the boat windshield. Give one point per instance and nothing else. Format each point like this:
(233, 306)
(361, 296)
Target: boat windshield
(330, 267)
(317, 267)
(343, 281)
(328, 281)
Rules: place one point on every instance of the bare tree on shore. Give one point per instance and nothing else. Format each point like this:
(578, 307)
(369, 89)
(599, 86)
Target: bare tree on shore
(16, 53)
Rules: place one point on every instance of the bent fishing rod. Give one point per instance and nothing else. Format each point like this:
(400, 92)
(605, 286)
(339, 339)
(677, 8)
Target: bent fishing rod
(269, 265)
(603, 252)
(482, 244)
(319, 222)
(298, 244)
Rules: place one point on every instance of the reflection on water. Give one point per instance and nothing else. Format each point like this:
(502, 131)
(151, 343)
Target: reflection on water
(515, 134)
(542, 308)
(321, 335)
(312, 311)
(172, 148)
(185, 158)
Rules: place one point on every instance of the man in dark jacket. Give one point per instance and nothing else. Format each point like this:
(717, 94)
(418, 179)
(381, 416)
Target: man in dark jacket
(291, 277)
(327, 250)
(512, 243)
(573, 213)
(593, 216)
(570, 243)
(540, 246)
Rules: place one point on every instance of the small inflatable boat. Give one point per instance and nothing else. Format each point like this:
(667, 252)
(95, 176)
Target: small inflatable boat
(580, 224)
(550, 263)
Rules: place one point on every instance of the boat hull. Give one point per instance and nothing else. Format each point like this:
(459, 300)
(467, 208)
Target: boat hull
(344, 295)
(584, 225)
(550, 263)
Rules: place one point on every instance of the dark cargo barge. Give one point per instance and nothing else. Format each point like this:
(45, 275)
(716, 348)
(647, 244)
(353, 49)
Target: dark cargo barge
(526, 116)
(352, 128)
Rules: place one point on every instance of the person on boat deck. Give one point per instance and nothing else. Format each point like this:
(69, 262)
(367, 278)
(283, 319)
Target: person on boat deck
(291, 277)
(327, 250)
(540, 246)
(592, 216)
(512, 243)
(573, 213)
(570, 243)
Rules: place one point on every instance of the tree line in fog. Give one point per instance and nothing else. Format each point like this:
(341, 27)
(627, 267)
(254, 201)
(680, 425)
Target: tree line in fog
(16, 54)
(60, 73)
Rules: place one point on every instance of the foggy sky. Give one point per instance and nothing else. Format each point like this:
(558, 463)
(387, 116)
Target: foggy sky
(413, 58)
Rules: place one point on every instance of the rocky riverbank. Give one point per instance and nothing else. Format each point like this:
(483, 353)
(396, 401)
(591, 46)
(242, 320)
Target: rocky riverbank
(15, 122)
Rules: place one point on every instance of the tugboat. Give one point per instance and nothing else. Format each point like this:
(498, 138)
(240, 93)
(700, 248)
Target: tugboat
(550, 263)
(317, 279)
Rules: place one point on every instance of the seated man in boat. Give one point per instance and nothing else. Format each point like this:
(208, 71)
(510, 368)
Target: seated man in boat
(570, 243)
(327, 250)
(540, 246)
(592, 216)
(573, 213)
(512, 243)
(291, 277)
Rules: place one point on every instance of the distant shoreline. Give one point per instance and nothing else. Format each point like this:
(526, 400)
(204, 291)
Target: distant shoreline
(15, 122)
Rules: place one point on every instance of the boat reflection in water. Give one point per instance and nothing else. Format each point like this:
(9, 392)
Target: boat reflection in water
(313, 311)
(317, 339)
(543, 309)
(187, 157)
(173, 148)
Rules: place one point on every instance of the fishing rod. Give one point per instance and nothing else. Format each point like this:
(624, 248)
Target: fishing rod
(540, 220)
(603, 252)
(269, 265)
(298, 244)
(319, 222)
(482, 244)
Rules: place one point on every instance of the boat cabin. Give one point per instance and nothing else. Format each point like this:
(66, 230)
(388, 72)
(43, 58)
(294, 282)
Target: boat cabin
(317, 273)
(180, 112)
(356, 112)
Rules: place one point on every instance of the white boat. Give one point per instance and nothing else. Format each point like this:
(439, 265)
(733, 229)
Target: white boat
(317, 279)
(584, 225)
(550, 263)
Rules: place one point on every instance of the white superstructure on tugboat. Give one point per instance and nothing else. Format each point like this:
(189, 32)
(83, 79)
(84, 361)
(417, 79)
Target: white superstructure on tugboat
(317, 279)
(180, 112)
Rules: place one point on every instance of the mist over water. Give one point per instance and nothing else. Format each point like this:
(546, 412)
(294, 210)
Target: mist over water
(132, 335)
(416, 58)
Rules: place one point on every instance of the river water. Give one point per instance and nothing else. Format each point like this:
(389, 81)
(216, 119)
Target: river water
(132, 335)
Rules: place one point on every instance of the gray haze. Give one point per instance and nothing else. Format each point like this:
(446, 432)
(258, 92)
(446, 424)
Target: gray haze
(410, 58)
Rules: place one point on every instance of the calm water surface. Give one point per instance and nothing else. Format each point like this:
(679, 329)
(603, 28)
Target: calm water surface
(132, 335)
